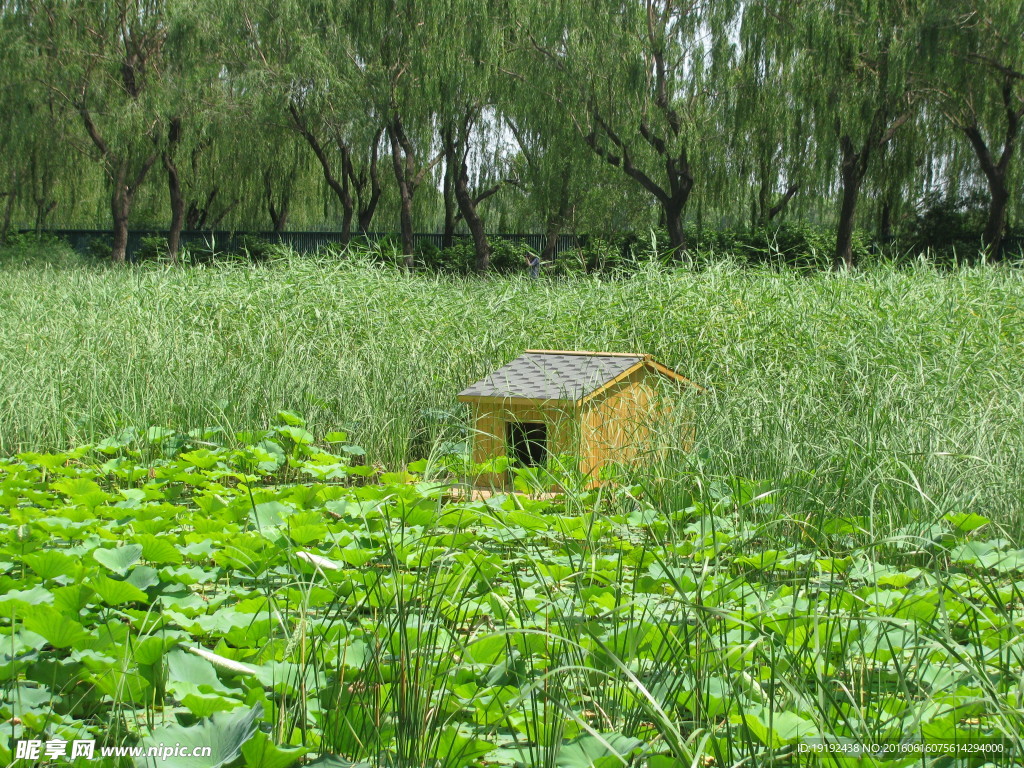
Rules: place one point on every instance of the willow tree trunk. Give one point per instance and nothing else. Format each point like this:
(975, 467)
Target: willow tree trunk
(366, 214)
(120, 209)
(764, 190)
(401, 161)
(405, 220)
(348, 205)
(852, 170)
(450, 205)
(996, 169)
(557, 222)
(43, 211)
(999, 193)
(5, 225)
(177, 214)
(277, 209)
(346, 224)
(455, 158)
(367, 204)
(554, 231)
(996, 224)
(843, 256)
(885, 223)
(279, 216)
(782, 202)
(467, 207)
(340, 188)
(673, 210)
(674, 199)
(117, 170)
(177, 199)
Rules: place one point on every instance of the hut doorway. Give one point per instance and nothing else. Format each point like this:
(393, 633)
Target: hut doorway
(527, 443)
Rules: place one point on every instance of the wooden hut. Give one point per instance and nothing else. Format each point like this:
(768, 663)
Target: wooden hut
(597, 406)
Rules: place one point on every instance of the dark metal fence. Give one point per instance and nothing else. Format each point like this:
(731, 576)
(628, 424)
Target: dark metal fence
(82, 240)
(223, 241)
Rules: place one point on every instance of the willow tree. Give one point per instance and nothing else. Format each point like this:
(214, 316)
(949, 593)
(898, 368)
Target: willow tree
(463, 77)
(193, 97)
(896, 192)
(277, 167)
(304, 61)
(37, 160)
(551, 172)
(857, 70)
(103, 59)
(388, 43)
(977, 76)
(551, 168)
(346, 143)
(768, 134)
(640, 81)
(480, 151)
(18, 129)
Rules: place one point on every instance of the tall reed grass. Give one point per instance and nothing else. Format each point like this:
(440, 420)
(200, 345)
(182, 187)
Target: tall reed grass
(870, 393)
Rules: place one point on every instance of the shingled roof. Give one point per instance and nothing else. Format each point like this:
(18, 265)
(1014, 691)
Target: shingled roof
(557, 375)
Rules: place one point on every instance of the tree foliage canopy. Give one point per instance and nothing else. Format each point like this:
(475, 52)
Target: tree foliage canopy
(592, 116)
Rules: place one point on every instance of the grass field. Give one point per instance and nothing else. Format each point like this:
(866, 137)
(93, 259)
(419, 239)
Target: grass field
(884, 390)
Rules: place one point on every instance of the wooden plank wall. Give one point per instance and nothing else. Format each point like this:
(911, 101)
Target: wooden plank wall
(617, 423)
(490, 419)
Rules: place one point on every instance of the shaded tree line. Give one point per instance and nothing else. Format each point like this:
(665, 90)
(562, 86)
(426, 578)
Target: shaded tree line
(585, 116)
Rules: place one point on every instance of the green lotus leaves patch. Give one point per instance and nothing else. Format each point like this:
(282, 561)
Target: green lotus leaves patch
(50, 564)
(966, 522)
(223, 733)
(287, 604)
(58, 630)
(118, 559)
(260, 751)
(24, 599)
(80, 490)
(159, 550)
